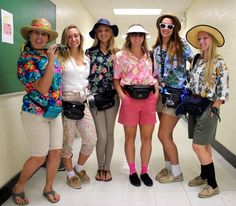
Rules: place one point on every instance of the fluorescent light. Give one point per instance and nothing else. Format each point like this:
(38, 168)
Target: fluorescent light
(137, 11)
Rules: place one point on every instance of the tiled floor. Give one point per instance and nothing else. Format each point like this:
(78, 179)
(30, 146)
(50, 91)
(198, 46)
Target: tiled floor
(119, 191)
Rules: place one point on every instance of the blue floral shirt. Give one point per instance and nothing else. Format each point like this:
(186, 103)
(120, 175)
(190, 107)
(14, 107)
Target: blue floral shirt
(31, 66)
(101, 71)
(174, 75)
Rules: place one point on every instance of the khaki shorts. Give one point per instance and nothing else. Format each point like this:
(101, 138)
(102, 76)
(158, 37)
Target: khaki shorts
(43, 134)
(161, 108)
(202, 129)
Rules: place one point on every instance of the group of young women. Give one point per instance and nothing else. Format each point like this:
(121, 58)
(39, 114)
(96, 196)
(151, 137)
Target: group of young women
(104, 80)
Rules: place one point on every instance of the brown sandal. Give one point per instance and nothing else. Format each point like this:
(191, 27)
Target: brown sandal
(107, 173)
(99, 174)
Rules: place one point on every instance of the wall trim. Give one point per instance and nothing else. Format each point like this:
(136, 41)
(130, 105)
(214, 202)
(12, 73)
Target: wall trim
(5, 191)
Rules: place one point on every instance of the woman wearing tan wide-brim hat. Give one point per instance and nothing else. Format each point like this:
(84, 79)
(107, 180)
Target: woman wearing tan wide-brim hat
(39, 24)
(40, 72)
(209, 82)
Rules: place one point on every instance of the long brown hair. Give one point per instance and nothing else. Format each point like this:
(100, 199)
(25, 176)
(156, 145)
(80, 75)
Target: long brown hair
(174, 45)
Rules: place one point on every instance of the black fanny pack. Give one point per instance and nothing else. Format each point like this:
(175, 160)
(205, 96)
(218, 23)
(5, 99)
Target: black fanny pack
(139, 91)
(105, 100)
(73, 110)
(171, 97)
(193, 105)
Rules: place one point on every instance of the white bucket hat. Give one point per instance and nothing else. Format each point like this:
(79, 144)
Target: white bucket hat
(136, 28)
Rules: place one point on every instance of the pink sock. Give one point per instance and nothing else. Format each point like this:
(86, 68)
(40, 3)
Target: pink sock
(144, 169)
(132, 168)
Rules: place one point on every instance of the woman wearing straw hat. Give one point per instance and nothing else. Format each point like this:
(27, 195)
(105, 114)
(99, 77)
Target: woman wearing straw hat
(40, 72)
(171, 53)
(138, 91)
(101, 85)
(209, 78)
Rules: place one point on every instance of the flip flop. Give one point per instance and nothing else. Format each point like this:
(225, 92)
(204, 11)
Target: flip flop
(105, 174)
(20, 195)
(50, 193)
(99, 174)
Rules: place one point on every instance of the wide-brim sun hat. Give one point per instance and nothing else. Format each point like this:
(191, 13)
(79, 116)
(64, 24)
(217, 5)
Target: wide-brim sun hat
(175, 20)
(136, 28)
(192, 35)
(39, 24)
(104, 22)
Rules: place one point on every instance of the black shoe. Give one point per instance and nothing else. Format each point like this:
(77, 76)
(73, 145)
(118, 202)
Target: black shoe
(146, 179)
(134, 180)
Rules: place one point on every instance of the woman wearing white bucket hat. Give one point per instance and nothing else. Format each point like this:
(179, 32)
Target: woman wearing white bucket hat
(138, 92)
(209, 79)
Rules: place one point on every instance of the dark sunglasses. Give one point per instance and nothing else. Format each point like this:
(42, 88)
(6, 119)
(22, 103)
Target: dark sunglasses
(166, 26)
(139, 34)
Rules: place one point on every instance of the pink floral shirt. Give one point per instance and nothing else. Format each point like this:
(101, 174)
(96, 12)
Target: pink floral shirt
(133, 71)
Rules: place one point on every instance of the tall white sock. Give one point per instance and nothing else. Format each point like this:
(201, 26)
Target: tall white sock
(175, 169)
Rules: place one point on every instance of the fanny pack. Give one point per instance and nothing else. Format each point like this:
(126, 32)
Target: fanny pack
(73, 110)
(171, 97)
(139, 91)
(193, 105)
(49, 111)
(105, 100)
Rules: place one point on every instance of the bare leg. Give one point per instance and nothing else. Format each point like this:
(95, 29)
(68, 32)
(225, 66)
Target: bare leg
(130, 135)
(53, 161)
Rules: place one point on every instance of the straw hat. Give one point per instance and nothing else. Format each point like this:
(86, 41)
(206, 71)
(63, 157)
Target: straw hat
(192, 33)
(175, 20)
(136, 28)
(104, 22)
(39, 24)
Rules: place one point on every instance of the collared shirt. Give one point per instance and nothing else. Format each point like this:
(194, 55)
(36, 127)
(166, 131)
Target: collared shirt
(133, 71)
(101, 71)
(75, 77)
(220, 75)
(174, 74)
(31, 66)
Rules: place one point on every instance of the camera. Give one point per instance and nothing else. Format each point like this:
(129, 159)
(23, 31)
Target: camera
(91, 102)
(61, 48)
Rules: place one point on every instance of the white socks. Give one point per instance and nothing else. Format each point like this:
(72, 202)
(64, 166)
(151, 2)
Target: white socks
(78, 167)
(168, 165)
(175, 170)
(71, 174)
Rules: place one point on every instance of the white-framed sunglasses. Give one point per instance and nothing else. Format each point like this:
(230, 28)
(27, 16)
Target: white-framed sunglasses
(166, 26)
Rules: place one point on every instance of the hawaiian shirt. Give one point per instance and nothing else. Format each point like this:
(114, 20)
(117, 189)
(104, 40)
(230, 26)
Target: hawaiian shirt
(101, 71)
(133, 71)
(31, 66)
(174, 75)
(220, 89)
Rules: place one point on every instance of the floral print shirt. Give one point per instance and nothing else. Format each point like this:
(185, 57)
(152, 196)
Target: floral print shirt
(101, 71)
(133, 71)
(220, 75)
(31, 66)
(174, 75)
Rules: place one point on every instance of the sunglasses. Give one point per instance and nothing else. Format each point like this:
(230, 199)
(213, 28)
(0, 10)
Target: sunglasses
(166, 26)
(139, 34)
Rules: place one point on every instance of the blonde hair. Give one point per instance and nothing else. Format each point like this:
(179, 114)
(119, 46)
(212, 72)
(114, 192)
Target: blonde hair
(209, 57)
(64, 41)
(111, 44)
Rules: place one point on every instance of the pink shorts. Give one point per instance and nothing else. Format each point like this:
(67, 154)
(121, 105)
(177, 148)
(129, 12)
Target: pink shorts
(138, 111)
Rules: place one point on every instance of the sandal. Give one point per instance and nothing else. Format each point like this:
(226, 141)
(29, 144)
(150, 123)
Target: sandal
(99, 175)
(51, 196)
(19, 198)
(107, 173)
